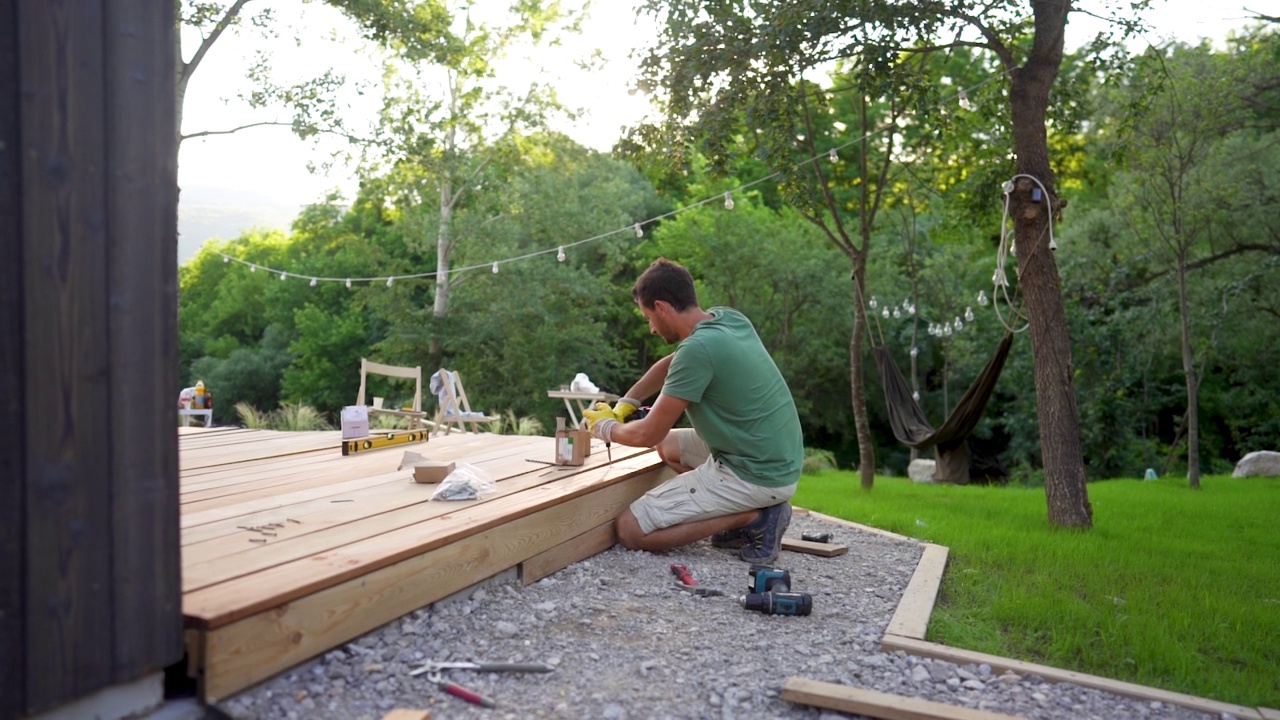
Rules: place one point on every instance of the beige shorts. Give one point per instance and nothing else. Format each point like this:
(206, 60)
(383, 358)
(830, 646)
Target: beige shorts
(709, 490)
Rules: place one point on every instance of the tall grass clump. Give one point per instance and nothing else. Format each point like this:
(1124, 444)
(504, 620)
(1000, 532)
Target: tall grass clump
(1172, 588)
(251, 418)
(509, 424)
(297, 417)
(817, 460)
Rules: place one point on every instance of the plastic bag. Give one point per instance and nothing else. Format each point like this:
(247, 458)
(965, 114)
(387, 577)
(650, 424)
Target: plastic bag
(466, 482)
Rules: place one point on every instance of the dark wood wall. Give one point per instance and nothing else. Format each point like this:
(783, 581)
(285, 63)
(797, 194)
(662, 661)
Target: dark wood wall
(89, 573)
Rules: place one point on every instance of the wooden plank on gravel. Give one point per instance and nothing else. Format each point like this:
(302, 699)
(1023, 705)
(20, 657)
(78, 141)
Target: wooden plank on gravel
(813, 548)
(242, 596)
(923, 648)
(257, 646)
(870, 703)
(911, 619)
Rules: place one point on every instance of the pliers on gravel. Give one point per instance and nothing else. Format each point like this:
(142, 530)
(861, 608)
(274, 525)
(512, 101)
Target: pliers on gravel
(433, 672)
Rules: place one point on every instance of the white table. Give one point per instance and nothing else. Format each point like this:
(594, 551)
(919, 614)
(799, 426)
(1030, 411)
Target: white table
(583, 400)
(207, 414)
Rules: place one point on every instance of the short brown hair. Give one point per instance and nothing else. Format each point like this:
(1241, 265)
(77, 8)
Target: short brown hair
(666, 281)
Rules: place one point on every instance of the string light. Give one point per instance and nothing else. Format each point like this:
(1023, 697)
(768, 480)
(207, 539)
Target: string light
(914, 351)
(873, 302)
(958, 325)
(982, 298)
(968, 314)
(282, 276)
(831, 153)
(897, 313)
(885, 313)
(915, 395)
(560, 254)
(964, 100)
(390, 280)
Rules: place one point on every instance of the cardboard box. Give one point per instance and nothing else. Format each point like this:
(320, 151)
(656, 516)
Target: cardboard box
(572, 445)
(355, 422)
(432, 471)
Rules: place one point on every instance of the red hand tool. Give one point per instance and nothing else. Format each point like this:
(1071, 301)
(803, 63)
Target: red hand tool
(683, 574)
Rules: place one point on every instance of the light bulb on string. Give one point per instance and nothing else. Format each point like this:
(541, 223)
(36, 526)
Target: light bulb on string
(873, 302)
(897, 313)
(639, 231)
(915, 395)
(348, 282)
(906, 303)
(885, 313)
(958, 325)
(390, 280)
(560, 254)
(968, 314)
(833, 155)
(911, 310)
(495, 267)
(728, 201)
(314, 281)
(253, 268)
(946, 330)
(226, 258)
(982, 298)
(282, 276)
(964, 100)
(914, 351)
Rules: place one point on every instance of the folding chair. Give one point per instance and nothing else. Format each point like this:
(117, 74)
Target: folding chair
(414, 414)
(454, 406)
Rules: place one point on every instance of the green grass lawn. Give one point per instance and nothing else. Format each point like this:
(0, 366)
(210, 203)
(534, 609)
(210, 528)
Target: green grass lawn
(1172, 588)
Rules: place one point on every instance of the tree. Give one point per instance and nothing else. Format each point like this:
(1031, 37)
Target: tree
(416, 30)
(715, 61)
(437, 152)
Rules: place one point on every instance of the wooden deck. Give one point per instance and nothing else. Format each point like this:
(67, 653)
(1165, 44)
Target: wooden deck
(358, 543)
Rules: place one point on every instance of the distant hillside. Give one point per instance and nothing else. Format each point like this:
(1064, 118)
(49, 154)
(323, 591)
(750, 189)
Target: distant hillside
(209, 212)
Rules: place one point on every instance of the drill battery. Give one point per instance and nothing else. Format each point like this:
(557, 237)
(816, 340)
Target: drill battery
(779, 603)
(766, 579)
(818, 537)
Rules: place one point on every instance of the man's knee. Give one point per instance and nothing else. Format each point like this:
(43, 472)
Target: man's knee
(669, 451)
(628, 530)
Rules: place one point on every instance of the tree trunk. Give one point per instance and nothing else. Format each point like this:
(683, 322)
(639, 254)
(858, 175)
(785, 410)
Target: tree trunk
(861, 423)
(444, 248)
(1189, 370)
(1064, 479)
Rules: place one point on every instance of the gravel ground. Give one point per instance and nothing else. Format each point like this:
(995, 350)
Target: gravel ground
(628, 646)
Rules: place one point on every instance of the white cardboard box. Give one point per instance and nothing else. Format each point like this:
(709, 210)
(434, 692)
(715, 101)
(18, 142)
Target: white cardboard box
(355, 422)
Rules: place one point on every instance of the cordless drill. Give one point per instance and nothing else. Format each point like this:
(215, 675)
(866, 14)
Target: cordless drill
(779, 603)
(766, 579)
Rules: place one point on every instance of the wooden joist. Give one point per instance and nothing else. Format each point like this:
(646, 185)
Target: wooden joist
(911, 619)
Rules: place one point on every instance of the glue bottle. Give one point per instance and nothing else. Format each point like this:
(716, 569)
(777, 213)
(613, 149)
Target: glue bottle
(198, 400)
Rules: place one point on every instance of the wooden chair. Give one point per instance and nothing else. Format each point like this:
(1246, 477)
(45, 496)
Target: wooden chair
(414, 414)
(455, 409)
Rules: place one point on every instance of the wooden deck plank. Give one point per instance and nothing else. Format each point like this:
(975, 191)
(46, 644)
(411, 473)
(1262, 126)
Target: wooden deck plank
(335, 479)
(325, 466)
(256, 646)
(209, 564)
(226, 602)
(271, 446)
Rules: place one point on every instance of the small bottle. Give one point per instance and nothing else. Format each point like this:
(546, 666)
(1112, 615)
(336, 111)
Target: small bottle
(198, 400)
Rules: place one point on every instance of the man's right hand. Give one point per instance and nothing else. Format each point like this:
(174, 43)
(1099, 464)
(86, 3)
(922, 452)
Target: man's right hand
(624, 408)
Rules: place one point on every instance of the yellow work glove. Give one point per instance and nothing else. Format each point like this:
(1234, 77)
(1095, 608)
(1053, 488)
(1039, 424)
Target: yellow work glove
(624, 407)
(601, 420)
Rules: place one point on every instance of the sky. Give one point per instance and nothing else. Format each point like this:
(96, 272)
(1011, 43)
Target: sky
(268, 165)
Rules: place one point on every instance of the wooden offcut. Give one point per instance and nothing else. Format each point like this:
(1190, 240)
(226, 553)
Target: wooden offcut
(871, 703)
(407, 714)
(813, 548)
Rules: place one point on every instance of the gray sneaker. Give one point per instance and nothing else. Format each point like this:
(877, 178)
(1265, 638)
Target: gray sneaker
(764, 536)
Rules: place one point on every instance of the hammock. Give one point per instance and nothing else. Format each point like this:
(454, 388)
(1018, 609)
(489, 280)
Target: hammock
(912, 429)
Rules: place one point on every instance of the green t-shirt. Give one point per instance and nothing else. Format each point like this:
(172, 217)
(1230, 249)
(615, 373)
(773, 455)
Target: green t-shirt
(738, 401)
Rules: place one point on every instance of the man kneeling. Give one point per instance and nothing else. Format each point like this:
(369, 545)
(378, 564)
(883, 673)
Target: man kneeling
(741, 462)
